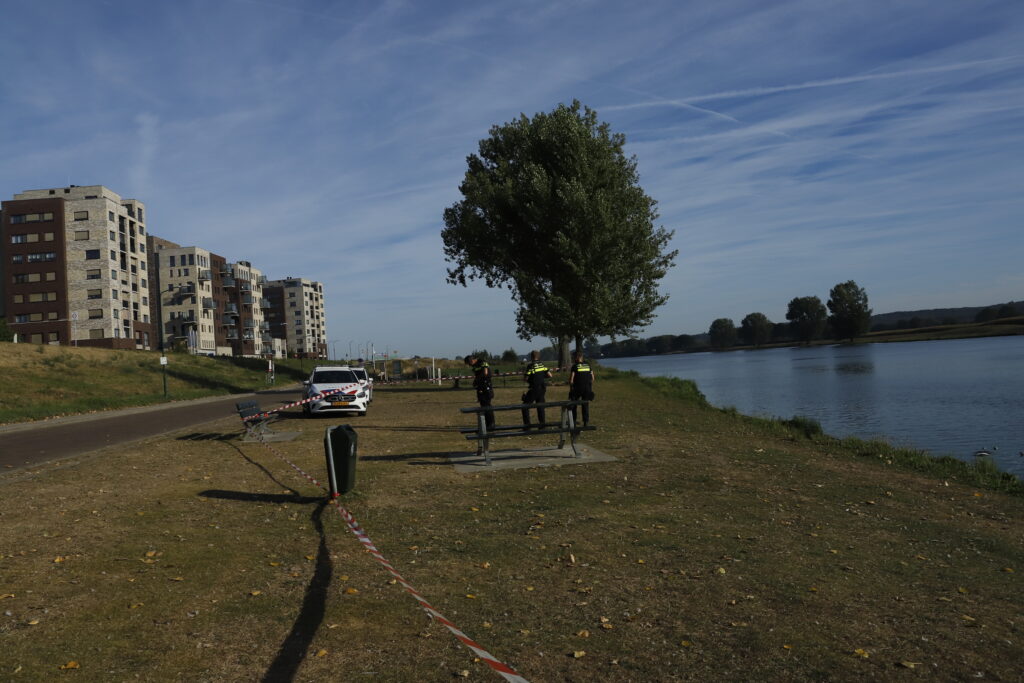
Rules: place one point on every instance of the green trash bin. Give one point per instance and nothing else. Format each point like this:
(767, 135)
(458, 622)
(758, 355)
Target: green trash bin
(340, 449)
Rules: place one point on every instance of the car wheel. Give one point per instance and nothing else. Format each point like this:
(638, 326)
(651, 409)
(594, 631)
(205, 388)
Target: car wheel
(362, 413)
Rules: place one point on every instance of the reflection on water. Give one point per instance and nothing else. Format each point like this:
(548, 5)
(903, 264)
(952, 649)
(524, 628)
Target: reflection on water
(948, 397)
(855, 367)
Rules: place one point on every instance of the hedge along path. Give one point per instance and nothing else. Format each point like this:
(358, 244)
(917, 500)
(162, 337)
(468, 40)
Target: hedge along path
(505, 671)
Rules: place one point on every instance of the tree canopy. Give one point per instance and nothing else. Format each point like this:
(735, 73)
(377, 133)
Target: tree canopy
(722, 333)
(756, 329)
(850, 315)
(806, 315)
(552, 209)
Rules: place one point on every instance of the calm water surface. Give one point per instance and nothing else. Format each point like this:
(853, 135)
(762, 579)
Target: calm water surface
(950, 397)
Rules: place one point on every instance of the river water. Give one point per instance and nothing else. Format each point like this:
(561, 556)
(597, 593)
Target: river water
(952, 397)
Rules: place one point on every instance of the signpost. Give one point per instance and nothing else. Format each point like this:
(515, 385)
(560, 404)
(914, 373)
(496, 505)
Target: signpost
(163, 367)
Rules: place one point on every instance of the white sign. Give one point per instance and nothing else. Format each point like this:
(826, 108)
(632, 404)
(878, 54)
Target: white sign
(74, 315)
(163, 360)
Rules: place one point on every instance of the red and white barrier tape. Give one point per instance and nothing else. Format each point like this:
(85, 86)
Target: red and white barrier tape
(505, 671)
(304, 401)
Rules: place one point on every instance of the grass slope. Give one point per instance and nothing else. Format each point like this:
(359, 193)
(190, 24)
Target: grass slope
(49, 381)
(716, 548)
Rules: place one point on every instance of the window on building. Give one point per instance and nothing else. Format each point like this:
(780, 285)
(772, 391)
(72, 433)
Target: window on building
(144, 283)
(21, 318)
(17, 258)
(94, 294)
(32, 218)
(117, 313)
(19, 299)
(81, 215)
(19, 239)
(113, 274)
(42, 256)
(92, 274)
(53, 336)
(96, 334)
(95, 313)
(92, 254)
(35, 317)
(51, 276)
(36, 338)
(110, 216)
(113, 255)
(140, 215)
(113, 237)
(81, 235)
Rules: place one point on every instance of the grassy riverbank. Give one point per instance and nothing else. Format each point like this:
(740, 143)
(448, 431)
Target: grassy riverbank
(715, 547)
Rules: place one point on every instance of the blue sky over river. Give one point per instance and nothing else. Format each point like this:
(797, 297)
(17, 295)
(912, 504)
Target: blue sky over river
(791, 145)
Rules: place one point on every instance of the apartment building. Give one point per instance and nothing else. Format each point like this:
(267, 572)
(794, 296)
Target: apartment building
(244, 287)
(296, 314)
(184, 294)
(74, 268)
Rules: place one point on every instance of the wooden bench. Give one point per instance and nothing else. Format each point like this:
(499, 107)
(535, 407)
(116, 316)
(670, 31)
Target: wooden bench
(565, 427)
(256, 421)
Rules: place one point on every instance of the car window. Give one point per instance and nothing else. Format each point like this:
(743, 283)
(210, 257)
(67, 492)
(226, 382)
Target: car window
(361, 374)
(334, 377)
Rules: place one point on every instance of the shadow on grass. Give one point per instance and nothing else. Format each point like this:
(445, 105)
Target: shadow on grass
(295, 646)
(198, 379)
(208, 436)
(436, 458)
(424, 428)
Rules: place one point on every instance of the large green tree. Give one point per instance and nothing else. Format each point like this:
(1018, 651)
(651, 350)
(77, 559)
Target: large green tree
(806, 315)
(756, 329)
(552, 209)
(848, 306)
(722, 333)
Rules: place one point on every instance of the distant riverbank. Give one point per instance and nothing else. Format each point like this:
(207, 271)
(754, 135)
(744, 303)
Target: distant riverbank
(950, 397)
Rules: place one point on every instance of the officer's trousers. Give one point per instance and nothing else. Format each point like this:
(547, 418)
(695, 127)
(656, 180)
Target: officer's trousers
(534, 395)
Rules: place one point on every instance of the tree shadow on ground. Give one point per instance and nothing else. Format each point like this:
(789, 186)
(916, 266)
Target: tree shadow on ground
(295, 647)
(435, 458)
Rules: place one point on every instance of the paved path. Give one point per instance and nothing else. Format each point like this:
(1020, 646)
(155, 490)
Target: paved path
(31, 443)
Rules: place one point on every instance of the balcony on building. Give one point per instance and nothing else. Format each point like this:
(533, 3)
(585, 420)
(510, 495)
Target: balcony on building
(264, 325)
(203, 274)
(249, 324)
(231, 309)
(208, 303)
(229, 281)
(231, 334)
(262, 280)
(248, 299)
(228, 322)
(227, 270)
(248, 336)
(245, 285)
(265, 303)
(266, 338)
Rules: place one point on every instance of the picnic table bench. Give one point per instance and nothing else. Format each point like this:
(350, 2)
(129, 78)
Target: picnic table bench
(256, 421)
(565, 427)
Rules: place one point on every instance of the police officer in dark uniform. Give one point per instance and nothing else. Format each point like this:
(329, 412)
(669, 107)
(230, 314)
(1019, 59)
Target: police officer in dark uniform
(536, 377)
(484, 387)
(581, 386)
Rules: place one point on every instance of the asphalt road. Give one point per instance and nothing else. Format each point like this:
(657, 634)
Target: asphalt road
(32, 443)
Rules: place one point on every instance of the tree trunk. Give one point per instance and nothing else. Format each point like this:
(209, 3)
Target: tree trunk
(563, 352)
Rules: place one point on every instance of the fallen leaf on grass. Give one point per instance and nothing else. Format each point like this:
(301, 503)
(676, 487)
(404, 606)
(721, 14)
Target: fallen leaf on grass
(583, 634)
(686, 643)
(58, 559)
(275, 564)
(787, 647)
(321, 653)
(136, 605)
(579, 653)
(177, 578)
(861, 652)
(33, 622)
(720, 570)
(351, 591)
(910, 665)
(255, 593)
(1008, 570)
(70, 665)
(6, 595)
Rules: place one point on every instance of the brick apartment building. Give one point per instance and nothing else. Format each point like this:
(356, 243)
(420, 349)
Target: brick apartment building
(74, 268)
(77, 265)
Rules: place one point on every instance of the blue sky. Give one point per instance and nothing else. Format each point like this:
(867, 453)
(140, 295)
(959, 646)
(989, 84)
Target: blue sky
(790, 145)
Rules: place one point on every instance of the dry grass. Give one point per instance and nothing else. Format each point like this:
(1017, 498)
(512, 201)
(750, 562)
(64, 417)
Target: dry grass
(716, 548)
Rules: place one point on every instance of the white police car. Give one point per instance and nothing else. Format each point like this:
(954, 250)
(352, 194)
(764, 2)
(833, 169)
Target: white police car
(365, 380)
(348, 395)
